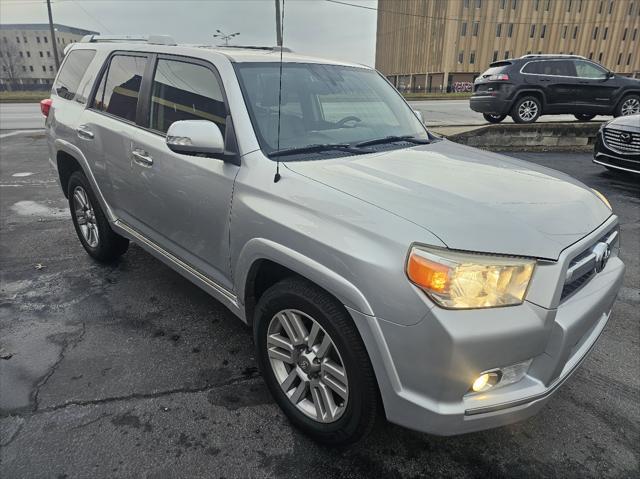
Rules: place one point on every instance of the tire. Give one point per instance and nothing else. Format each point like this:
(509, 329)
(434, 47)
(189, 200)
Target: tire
(526, 110)
(584, 117)
(97, 238)
(629, 105)
(494, 118)
(304, 302)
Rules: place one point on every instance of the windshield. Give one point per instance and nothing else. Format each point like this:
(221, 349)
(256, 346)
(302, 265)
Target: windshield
(322, 105)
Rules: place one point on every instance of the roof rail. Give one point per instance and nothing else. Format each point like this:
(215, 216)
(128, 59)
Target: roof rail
(257, 47)
(150, 39)
(536, 55)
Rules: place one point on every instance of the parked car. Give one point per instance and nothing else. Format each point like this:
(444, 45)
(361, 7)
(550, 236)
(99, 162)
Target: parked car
(617, 146)
(381, 268)
(535, 85)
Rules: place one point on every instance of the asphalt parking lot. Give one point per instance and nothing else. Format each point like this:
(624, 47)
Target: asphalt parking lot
(129, 370)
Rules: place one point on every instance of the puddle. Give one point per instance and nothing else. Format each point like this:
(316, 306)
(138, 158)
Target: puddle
(22, 175)
(32, 208)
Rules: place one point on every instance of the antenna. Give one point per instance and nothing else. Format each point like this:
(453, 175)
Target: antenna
(280, 33)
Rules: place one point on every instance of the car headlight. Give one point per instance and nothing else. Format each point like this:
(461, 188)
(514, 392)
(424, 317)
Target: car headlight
(603, 198)
(465, 280)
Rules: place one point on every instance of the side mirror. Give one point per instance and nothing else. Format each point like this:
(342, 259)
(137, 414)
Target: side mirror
(609, 74)
(419, 115)
(195, 137)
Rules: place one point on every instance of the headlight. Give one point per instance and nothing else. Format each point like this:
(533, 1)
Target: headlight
(603, 198)
(463, 280)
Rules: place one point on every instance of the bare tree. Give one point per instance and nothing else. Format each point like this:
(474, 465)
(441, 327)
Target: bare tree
(11, 63)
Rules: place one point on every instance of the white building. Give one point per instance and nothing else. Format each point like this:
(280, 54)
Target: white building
(26, 52)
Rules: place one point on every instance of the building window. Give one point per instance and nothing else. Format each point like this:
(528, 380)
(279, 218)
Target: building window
(28, 54)
(461, 57)
(4, 39)
(506, 54)
(495, 56)
(635, 34)
(46, 40)
(504, 2)
(24, 69)
(624, 34)
(466, 3)
(37, 39)
(510, 31)
(50, 68)
(543, 31)
(619, 58)
(514, 4)
(44, 68)
(564, 32)
(595, 33)
(630, 8)
(604, 34)
(463, 29)
(547, 6)
(629, 59)
(536, 5)
(48, 54)
(498, 29)
(24, 39)
(579, 6)
(610, 7)
(600, 57)
(17, 39)
(21, 54)
(478, 3)
(476, 27)
(575, 32)
(591, 56)
(532, 32)
(569, 6)
(30, 68)
(472, 57)
(41, 55)
(600, 7)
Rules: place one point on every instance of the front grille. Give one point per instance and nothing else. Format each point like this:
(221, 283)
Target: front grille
(583, 266)
(621, 141)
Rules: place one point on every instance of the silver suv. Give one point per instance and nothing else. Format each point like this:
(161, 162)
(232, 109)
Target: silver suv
(381, 268)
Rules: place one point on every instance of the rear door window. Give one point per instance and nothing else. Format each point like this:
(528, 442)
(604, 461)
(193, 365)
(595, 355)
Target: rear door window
(185, 91)
(562, 68)
(73, 69)
(120, 86)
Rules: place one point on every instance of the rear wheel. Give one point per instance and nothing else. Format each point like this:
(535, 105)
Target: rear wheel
(526, 110)
(584, 117)
(493, 118)
(314, 362)
(629, 105)
(92, 226)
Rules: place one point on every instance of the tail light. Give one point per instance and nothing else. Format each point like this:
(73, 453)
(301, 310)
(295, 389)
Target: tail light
(499, 77)
(45, 106)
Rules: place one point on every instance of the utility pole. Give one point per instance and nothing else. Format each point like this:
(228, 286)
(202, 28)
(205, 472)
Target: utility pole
(54, 45)
(278, 25)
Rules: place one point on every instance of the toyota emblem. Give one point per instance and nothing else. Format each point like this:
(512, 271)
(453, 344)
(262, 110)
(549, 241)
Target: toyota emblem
(602, 252)
(625, 137)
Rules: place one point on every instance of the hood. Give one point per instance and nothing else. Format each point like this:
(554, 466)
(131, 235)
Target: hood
(471, 199)
(629, 122)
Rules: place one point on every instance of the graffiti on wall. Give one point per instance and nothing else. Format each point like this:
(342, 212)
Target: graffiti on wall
(462, 86)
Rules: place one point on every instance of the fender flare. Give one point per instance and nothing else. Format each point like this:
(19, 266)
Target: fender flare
(523, 92)
(258, 249)
(76, 153)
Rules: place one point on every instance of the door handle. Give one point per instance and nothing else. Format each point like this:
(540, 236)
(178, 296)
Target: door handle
(141, 158)
(544, 80)
(84, 132)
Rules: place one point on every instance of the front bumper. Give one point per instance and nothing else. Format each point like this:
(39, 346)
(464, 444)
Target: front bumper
(424, 371)
(489, 104)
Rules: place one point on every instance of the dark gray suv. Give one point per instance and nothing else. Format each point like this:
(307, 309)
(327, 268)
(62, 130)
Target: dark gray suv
(535, 85)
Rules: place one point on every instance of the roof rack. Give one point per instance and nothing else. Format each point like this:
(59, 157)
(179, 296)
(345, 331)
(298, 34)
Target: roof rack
(257, 47)
(537, 55)
(150, 39)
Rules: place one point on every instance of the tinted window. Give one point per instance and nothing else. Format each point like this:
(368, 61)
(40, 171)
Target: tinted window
(553, 67)
(499, 67)
(73, 69)
(185, 91)
(589, 70)
(120, 86)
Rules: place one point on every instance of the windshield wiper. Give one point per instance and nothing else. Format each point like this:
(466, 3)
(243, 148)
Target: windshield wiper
(394, 139)
(319, 148)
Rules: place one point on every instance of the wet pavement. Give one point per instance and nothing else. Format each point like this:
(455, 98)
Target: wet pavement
(129, 370)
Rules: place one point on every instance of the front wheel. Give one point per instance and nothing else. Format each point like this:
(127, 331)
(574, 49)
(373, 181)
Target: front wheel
(493, 118)
(526, 110)
(315, 363)
(629, 105)
(584, 117)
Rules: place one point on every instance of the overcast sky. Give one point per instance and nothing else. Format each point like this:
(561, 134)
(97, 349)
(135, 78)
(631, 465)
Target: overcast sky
(315, 27)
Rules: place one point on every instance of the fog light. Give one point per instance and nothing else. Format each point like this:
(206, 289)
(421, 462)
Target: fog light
(486, 381)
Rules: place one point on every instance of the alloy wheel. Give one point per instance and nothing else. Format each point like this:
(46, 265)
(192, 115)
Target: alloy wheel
(307, 365)
(631, 106)
(528, 110)
(85, 216)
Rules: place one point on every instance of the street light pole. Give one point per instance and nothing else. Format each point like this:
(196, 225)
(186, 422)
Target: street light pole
(278, 25)
(53, 36)
(220, 34)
